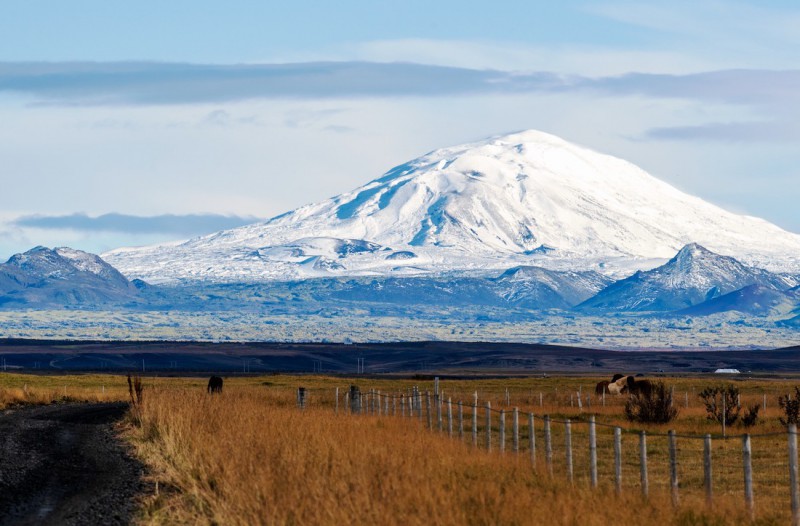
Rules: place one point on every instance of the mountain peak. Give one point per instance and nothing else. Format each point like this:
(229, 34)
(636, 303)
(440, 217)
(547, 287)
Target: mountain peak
(484, 205)
(693, 253)
(693, 276)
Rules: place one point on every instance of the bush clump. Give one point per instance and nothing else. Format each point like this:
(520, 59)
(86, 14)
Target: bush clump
(653, 407)
(750, 417)
(721, 403)
(790, 407)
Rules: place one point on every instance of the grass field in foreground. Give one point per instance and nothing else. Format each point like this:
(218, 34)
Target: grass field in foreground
(249, 456)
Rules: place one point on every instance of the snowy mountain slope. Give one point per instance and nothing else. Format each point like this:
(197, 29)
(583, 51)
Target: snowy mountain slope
(529, 285)
(753, 300)
(527, 198)
(693, 276)
(58, 277)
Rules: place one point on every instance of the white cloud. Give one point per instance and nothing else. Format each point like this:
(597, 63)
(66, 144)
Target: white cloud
(516, 56)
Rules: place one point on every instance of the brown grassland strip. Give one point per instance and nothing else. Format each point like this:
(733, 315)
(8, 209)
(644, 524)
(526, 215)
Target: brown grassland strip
(250, 456)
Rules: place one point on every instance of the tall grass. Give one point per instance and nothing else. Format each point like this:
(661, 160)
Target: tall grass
(23, 389)
(250, 456)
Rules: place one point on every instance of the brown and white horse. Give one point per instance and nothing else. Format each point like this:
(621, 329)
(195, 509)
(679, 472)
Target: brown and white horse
(618, 384)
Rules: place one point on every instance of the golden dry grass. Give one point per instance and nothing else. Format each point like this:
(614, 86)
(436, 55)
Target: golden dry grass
(251, 457)
(25, 389)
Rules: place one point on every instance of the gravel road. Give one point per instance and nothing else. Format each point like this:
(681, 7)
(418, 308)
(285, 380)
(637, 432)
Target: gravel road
(61, 464)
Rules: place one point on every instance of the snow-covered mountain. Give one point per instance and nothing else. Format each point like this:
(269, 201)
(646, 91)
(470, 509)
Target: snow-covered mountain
(59, 277)
(523, 199)
(753, 300)
(533, 287)
(693, 276)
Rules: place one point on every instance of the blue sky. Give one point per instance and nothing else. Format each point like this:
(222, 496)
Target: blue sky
(132, 123)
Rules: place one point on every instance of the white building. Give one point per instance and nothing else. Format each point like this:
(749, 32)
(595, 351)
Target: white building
(727, 371)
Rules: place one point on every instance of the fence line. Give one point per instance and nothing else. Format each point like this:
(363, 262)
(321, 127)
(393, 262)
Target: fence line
(377, 403)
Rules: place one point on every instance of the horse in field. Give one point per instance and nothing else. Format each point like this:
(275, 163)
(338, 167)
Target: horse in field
(215, 384)
(618, 384)
(601, 387)
(639, 387)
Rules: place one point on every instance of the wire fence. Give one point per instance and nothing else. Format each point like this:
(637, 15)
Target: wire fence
(587, 451)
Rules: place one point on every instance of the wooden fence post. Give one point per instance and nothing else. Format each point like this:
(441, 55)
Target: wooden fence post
(548, 444)
(748, 475)
(541, 403)
(502, 431)
(724, 413)
(450, 417)
(475, 419)
(515, 429)
(643, 463)
(378, 400)
(508, 398)
(707, 472)
(336, 408)
(793, 475)
(592, 452)
(438, 402)
(673, 466)
(435, 386)
(568, 444)
(489, 426)
(394, 405)
(354, 395)
(460, 420)
(402, 405)
(428, 409)
(347, 402)
(532, 440)
(580, 404)
(618, 459)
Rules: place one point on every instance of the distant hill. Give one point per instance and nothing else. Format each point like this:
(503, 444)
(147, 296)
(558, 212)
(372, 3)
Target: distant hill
(695, 275)
(43, 277)
(755, 300)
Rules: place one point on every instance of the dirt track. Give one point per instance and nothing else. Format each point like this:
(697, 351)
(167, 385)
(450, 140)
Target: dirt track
(61, 464)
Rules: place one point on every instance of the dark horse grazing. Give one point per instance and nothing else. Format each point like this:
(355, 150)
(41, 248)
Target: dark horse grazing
(215, 384)
(639, 387)
(601, 387)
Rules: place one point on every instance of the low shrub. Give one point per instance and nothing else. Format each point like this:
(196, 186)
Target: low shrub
(722, 402)
(653, 407)
(790, 407)
(750, 417)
